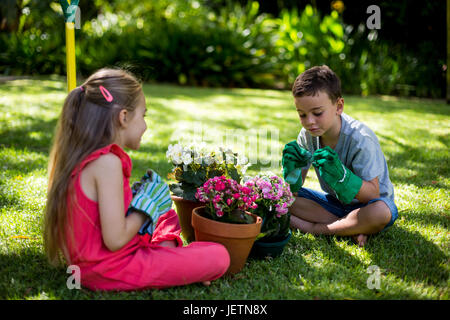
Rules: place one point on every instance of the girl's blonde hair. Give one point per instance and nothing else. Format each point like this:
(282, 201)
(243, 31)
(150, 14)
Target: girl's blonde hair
(87, 122)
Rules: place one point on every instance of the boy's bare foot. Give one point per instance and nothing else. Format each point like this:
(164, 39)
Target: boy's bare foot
(360, 239)
(206, 283)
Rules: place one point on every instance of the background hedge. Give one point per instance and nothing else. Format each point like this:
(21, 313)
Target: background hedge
(222, 43)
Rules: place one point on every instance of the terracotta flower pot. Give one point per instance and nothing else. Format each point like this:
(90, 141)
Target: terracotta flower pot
(237, 238)
(184, 209)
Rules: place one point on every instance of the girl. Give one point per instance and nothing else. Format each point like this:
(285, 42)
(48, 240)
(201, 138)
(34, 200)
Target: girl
(89, 195)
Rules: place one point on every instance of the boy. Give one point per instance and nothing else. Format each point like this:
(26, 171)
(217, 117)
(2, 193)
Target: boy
(348, 161)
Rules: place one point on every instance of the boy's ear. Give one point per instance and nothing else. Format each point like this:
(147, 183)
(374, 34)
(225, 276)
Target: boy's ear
(339, 106)
(123, 116)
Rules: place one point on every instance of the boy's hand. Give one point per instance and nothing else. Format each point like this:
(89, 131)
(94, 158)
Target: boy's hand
(294, 158)
(152, 199)
(344, 182)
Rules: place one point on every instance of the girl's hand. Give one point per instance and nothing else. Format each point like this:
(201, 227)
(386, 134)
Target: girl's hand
(145, 178)
(152, 199)
(169, 244)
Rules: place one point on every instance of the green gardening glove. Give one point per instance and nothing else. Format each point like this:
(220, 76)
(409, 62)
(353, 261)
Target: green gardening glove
(344, 182)
(153, 199)
(145, 178)
(294, 158)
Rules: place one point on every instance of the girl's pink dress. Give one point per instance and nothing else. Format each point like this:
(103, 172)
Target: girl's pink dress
(142, 263)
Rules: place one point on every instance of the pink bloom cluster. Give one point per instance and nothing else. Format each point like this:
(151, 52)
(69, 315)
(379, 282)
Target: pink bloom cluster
(273, 191)
(225, 195)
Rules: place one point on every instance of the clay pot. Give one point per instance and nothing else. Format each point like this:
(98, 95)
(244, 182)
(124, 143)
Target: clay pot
(184, 209)
(237, 238)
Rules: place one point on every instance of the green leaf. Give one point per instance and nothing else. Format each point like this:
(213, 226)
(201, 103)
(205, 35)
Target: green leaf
(234, 174)
(239, 217)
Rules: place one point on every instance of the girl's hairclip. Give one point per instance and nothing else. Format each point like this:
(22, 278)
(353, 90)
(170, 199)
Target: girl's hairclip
(81, 88)
(106, 94)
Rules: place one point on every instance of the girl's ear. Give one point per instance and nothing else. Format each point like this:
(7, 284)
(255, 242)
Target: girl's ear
(123, 116)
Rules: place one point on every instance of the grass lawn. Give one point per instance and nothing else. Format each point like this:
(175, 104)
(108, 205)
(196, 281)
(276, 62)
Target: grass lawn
(413, 255)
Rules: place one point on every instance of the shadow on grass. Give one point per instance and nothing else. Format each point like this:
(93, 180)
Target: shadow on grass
(428, 164)
(409, 255)
(169, 91)
(8, 197)
(26, 274)
(21, 137)
(379, 104)
(429, 219)
(319, 266)
(33, 85)
(307, 269)
(29, 87)
(23, 167)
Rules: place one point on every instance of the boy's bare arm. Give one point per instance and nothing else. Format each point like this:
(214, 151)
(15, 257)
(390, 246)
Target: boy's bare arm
(369, 190)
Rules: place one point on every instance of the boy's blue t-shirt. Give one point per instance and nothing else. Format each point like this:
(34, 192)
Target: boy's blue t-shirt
(359, 150)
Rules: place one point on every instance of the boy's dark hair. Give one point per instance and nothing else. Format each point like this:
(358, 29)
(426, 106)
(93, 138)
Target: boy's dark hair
(315, 79)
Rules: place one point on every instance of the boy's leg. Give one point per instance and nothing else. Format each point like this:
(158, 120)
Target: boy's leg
(366, 220)
(311, 211)
(316, 206)
(318, 213)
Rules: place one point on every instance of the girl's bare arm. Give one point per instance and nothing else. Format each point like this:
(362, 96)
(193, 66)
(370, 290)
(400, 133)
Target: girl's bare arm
(117, 229)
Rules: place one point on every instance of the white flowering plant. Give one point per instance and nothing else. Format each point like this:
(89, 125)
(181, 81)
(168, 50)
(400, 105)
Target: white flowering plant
(195, 163)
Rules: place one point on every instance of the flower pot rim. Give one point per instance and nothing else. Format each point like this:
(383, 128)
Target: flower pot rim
(180, 199)
(225, 229)
(274, 243)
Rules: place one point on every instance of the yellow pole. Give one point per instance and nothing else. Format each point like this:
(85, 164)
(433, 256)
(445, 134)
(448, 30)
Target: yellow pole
(70, 56)
(70, 8)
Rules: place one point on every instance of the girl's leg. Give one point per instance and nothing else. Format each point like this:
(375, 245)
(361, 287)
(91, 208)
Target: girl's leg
(197, 262)
(167, 231)
(163, 262)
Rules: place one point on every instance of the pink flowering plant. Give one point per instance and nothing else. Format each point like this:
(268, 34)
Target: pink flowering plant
(226, 200)
(274, 199)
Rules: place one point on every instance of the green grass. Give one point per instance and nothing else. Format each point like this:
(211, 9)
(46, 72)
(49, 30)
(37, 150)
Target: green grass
(413, 255)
